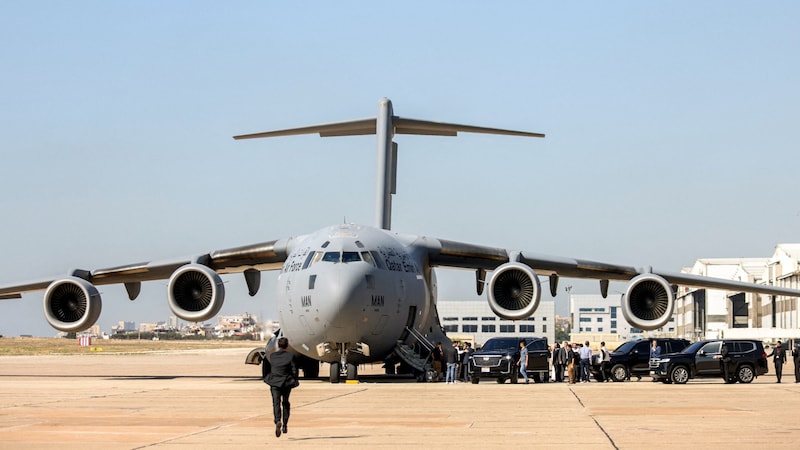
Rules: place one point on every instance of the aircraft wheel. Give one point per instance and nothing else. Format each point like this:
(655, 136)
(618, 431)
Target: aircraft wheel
(335, 372)
(352, 371)
(430, 376)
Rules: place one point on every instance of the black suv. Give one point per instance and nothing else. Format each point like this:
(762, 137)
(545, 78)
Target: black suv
(633, 358)
(702, 359)
(499, 355)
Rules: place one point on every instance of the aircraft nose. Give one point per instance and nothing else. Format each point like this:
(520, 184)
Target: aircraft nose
(345, 294)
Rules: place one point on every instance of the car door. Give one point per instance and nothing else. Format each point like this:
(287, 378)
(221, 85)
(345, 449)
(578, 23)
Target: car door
(640, 357)
(537, 355)
(707, 359)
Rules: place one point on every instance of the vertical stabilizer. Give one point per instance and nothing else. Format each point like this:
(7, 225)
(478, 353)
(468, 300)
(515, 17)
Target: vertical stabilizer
(386, 168)
(385, 126)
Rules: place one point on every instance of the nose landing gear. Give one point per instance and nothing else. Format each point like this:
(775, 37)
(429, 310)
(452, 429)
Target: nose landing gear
(344, 368)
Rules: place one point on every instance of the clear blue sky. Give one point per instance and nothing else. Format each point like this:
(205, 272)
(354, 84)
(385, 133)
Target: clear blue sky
(671, 132)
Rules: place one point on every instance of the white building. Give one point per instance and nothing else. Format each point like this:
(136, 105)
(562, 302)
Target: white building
(709, 313)
(594, 317)
(475, 319)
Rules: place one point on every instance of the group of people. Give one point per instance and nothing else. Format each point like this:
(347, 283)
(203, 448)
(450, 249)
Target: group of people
(778, 356)
(454, 360)
(573, 362)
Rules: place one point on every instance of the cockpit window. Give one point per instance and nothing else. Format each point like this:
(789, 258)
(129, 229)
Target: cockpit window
(331, 257)
(378, 260)
(350, 257)
(368, 259)
(335, 257)
(308, 260)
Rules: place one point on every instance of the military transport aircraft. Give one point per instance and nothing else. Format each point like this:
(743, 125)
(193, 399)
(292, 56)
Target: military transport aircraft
(350, 294)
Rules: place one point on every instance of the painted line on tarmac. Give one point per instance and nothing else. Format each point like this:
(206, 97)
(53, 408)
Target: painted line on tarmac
(332, 398)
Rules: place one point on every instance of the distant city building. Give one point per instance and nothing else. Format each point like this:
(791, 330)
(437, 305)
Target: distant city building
(475, 319)
(123, 327)
(236, 325)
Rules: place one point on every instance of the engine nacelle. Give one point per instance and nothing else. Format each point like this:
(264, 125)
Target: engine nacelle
(648, 302)
(72, 304)
(195, 293)
(514, 291)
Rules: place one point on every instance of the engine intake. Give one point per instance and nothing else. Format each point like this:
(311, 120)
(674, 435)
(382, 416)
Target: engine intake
(72, 304)
(195, 293)
(514, 291)
(648, 302)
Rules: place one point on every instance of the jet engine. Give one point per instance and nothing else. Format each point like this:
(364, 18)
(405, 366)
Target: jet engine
(72, 304)
(648, 302)
(514, 291)
(195, 293)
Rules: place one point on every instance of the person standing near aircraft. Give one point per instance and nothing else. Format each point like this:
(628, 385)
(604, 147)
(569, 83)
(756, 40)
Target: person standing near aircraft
(725, 361)
(522, 362)
(586, 361)
(796, 357)
(554, 361)
(465, 355)
(605, 359)
(563, 360)
(779, 359)
(655, 352)
(451, 358)
(282, 379)
(437, 355)
(574, 364)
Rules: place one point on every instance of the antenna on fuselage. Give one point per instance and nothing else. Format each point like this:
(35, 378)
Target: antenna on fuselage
(385, 126)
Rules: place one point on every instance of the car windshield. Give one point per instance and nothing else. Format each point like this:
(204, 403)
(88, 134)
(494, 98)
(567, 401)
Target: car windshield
(500, 344)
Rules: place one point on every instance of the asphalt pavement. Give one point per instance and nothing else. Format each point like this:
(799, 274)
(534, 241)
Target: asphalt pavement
(211, 399)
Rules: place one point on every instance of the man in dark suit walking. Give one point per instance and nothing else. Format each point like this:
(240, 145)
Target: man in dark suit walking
(282, 378)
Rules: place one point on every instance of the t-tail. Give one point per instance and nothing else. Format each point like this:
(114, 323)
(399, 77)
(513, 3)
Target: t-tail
(385, 126)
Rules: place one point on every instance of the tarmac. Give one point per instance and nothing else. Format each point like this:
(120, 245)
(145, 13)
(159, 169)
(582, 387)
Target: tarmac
(211, 399)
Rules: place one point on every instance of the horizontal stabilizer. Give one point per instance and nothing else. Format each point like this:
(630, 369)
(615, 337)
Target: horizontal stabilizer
(426, 127)
(400, 125)
(349, 128)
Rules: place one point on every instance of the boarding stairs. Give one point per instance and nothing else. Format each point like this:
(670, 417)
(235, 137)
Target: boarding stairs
(417, 353)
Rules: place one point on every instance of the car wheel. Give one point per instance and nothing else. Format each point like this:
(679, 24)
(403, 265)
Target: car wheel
(679, 375)
(619, 372)
(745, 374)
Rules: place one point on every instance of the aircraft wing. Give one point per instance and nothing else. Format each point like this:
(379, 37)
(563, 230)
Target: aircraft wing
(470, 256)
(263, 256)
